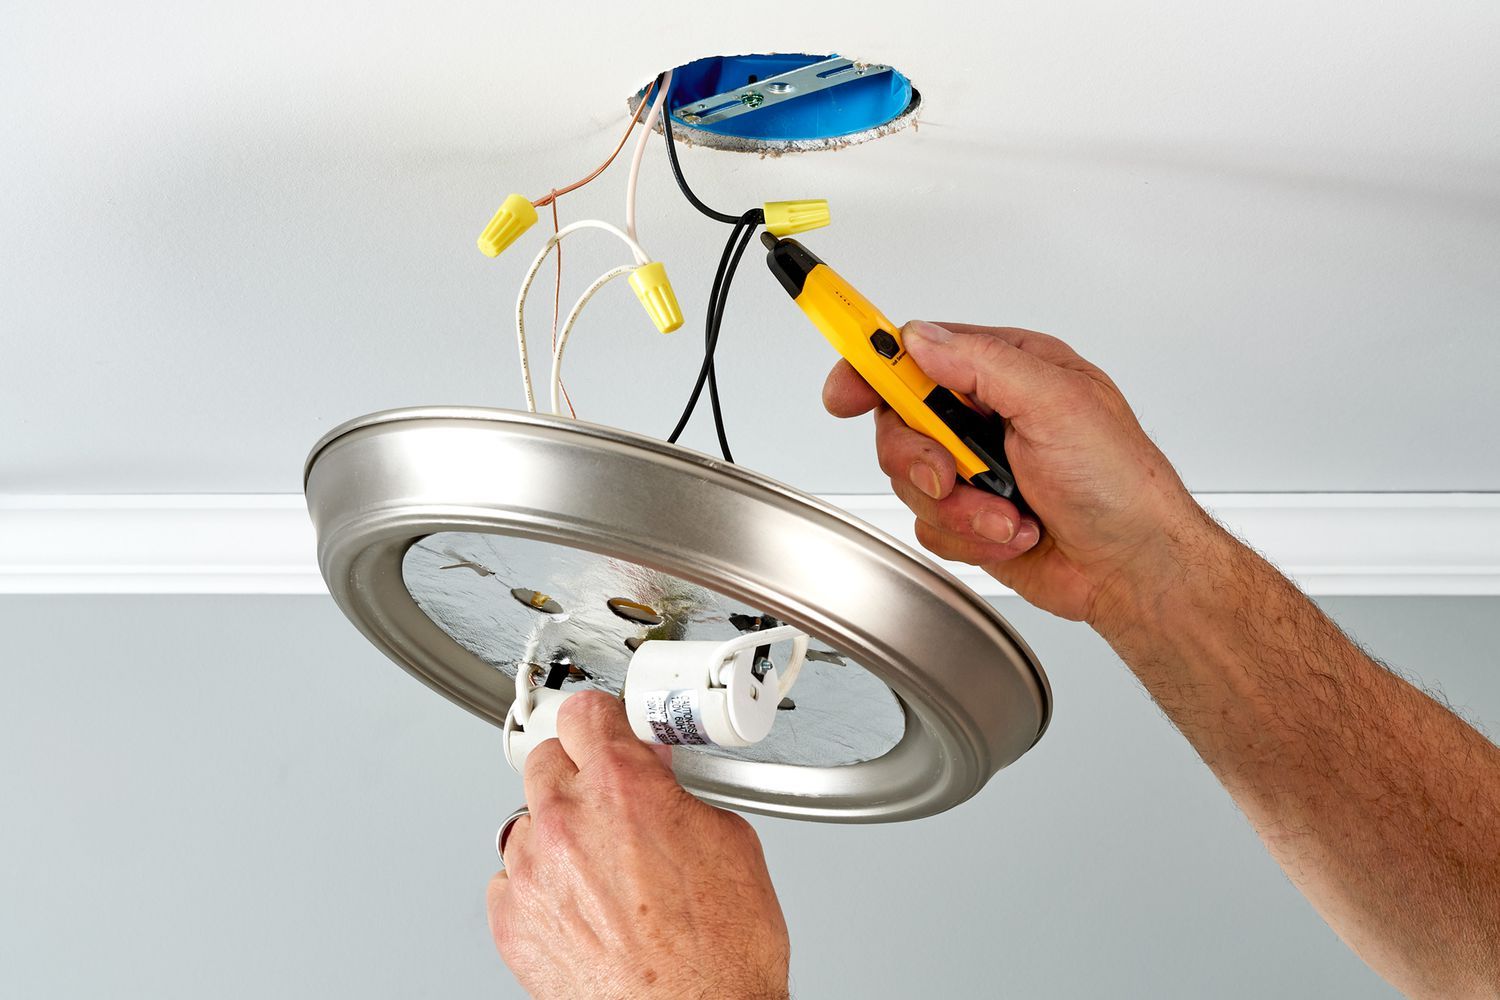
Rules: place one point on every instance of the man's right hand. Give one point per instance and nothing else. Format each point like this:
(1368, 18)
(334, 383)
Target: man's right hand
(1115, 513)
(1381, 805)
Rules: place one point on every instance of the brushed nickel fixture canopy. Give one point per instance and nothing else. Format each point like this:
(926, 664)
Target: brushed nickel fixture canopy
(463, 541)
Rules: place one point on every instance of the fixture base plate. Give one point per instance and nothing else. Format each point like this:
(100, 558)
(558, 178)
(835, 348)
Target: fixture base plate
(973, 696)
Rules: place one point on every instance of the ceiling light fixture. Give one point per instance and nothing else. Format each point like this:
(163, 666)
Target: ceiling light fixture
(427, 520)
(509, 560)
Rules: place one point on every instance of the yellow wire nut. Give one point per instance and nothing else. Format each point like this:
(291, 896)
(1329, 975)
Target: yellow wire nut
(655, 292)
(783, 218)
(516, 216)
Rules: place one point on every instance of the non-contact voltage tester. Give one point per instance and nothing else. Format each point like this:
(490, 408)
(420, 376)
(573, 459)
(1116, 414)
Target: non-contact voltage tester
(872, 344)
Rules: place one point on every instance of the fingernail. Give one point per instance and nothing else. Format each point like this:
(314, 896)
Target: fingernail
(925, 478)
(994, 526)
(928, 331)
(1027, 535)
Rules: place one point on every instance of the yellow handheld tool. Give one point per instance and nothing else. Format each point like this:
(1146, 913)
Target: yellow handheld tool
(872, 344)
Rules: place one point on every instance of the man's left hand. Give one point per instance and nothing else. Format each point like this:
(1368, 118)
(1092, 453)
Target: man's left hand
(621, 884)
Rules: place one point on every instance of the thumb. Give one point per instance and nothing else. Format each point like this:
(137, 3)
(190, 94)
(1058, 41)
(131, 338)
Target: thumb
(983, 367)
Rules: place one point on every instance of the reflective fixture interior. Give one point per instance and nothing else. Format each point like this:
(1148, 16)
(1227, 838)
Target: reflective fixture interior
(513, 600)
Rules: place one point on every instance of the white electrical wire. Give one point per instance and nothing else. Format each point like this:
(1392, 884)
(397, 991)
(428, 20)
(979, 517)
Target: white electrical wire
(640, 150)
(520, 707)
(635, 248)
(793, 666)
(510, 726)
(531, 273)
(726, 651)
(567, 328)
(628, 237)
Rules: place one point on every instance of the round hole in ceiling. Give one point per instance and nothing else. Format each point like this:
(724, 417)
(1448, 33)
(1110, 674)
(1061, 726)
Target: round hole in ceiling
(787, 102)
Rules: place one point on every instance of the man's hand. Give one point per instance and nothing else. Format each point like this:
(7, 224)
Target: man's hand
(1381, 805)
(621, 884)
(1111, 503)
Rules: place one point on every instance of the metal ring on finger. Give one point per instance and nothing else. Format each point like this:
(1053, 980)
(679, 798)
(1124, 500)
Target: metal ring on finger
(504, 831)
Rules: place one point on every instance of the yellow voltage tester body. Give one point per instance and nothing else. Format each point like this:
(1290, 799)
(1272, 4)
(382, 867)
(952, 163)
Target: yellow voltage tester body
(872, 344)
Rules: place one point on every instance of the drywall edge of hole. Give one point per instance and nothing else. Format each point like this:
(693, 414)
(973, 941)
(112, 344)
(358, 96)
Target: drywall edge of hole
(909, 117)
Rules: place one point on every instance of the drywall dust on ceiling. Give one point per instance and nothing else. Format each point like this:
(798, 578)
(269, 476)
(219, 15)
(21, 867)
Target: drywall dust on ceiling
(228, 228)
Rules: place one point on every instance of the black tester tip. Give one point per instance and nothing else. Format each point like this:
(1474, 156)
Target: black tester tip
(790, 261)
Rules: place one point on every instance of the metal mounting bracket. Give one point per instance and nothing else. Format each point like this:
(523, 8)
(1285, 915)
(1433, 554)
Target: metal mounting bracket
(775, 89)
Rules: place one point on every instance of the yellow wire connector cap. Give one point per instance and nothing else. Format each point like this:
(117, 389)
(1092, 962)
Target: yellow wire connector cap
(655, 292)
(516, 216)
(783, 218)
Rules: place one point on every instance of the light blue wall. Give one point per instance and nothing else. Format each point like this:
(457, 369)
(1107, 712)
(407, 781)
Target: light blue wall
(238, 797)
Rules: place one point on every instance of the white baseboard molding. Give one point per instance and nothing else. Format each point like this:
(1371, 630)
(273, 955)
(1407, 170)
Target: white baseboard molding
(1330, 543)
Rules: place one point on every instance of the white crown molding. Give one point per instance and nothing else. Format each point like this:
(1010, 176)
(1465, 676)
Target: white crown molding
(1330, 543)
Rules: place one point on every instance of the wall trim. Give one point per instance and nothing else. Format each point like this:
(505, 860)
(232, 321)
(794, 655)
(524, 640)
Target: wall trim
(1330, 543)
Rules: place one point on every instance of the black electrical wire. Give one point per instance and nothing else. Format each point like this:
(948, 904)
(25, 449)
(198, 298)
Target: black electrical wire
(711, 340)
(734, 248)
(694, 200)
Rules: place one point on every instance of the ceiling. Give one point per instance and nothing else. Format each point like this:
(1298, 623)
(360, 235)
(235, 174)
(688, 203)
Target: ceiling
(227, 228)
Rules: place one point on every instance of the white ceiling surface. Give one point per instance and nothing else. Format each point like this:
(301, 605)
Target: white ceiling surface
(228, 227)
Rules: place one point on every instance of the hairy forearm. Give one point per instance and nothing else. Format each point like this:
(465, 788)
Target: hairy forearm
(1381, 805)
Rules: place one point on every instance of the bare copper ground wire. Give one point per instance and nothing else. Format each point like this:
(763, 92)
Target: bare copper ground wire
(550, 198)
(555, 193)
(557, 301)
